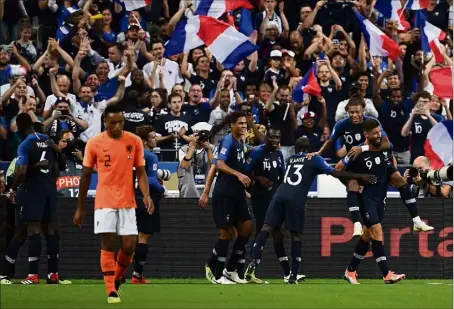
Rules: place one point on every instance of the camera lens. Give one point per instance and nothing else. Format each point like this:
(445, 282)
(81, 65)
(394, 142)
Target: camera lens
(413, 172)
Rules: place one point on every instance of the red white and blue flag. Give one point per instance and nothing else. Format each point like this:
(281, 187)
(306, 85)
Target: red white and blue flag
(416, 4)
(227, 44)
(379, 43)
(438, 145)
(443, 81)
(216, 8)
(308, 84)
(430, 37)
(393, 10)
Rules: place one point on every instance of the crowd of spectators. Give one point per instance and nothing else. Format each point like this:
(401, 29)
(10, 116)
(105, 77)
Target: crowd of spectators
(64, 61)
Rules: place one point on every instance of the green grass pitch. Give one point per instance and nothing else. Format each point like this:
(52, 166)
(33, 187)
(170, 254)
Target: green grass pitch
(198, 293)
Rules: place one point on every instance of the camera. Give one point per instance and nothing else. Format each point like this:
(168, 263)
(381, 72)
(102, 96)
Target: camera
(73, 145)
(64, 112)
(413, 172)
(164, 174)
(204, 136)
(312, 31)
(443, 174)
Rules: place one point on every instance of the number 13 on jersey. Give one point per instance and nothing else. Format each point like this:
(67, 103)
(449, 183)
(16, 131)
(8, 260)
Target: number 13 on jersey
(293, 174)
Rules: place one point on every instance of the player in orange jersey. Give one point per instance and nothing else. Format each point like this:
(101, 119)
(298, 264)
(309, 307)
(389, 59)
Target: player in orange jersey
(114, 153)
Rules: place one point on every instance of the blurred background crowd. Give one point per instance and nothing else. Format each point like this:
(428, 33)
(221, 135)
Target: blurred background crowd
(64, 61)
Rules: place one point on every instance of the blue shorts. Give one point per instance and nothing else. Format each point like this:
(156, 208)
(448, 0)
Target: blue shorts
(292, 212)
(229, 210)
(37, 205)
(372, 209)
(146, 223)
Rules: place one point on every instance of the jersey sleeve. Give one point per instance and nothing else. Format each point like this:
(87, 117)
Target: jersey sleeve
(338, 144)
(321, 166)
(338, 130)
(23, 153)
(152, 173)
(224, 148)
(139, 158)
(90, 155)
(254, 154)
(282, 165)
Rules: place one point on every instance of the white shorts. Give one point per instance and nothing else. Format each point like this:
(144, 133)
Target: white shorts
(121, 221)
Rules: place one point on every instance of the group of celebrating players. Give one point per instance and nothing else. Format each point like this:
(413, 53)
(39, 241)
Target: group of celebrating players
(127, 169)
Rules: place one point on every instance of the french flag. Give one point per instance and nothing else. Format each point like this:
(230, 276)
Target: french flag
(438, 145)
(227, 44)
(443, 81)
(132, 5)
(216, 8)
(308, 84)
(379, 43)
(430, 37)
(416, 4)
(392, 10)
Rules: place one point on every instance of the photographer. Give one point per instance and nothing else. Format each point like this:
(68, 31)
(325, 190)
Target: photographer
(423, 187)
(63, 119)
(195, 162)
(68, 180)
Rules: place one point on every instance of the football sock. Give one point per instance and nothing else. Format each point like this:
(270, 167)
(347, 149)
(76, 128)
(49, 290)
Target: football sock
(108, 270)
(52, 254)
(34, 252)
(360, 251)
(282, 257)
(260, 242)
(139, 259)
(123, 262)
(222, 248)
(11, 255)
(379, 253)
(410, 202)
(353, 205)
(213, 258)
(236, 261)
(296, 257)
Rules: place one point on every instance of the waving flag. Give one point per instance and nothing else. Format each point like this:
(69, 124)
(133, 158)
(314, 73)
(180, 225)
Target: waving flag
(242, 20)
(215, 8)
(438, 145)
(308, 84)
(227, 44)
(416, 4)
(379, 43)
(430, 37)
(131, 5)
(392, 10)
(443, 82)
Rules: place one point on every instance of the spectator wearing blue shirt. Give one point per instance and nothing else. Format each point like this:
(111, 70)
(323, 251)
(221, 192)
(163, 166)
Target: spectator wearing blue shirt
(419, 123)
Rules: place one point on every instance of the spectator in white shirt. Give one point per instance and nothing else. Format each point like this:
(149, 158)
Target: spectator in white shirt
(168, 68)
(62, 86)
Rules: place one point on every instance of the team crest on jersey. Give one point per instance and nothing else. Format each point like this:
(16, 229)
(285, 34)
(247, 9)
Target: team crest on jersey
(358, 136)
(274, 164)
(155, 167)
(223, 150)
(377, 160)
(249, 160)
(129, 148)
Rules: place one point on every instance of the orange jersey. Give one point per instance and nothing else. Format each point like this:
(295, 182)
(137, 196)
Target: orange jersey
(114, 160)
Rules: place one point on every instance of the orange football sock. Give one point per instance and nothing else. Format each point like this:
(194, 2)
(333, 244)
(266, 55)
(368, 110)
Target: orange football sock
(123, 262)
(108, 270)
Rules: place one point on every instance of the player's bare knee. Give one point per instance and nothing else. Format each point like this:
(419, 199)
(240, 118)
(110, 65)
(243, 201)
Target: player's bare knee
(245, 229)
(353, 185)
(225, 234)
(376, 232)
(366, 235)
(278, 236)
(108, 241)
(268, 228)
(33, 227)
(128, 244)
(295, 236)
(143, 238)
(397, 181)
